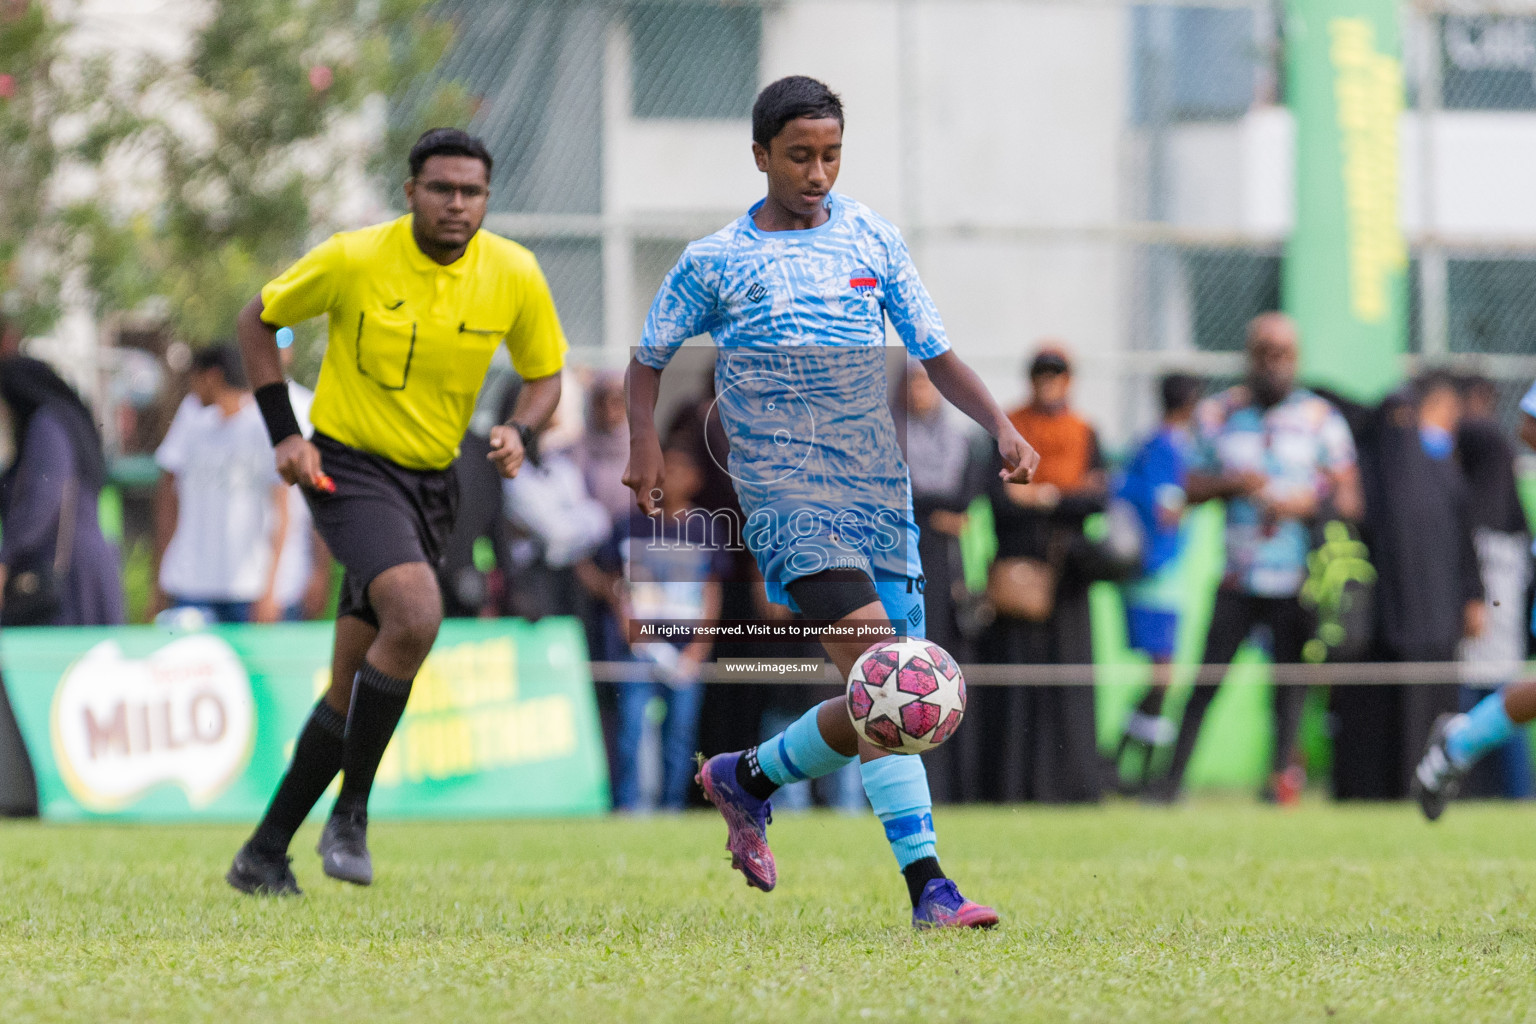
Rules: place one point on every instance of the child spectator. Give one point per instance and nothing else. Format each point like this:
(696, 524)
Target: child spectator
(221, 510)
(1153, 486)
(667, 568)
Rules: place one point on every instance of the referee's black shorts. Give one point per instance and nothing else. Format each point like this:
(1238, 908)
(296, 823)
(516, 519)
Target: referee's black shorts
(380, 516)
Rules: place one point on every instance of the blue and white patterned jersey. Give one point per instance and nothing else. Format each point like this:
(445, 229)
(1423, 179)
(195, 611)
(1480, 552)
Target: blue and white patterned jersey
(801, 384)
(831, 285)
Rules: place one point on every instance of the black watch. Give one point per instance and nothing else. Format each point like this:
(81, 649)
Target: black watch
(530, 439)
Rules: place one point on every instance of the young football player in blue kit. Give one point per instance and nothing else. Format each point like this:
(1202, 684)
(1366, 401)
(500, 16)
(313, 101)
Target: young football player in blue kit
(796, 294)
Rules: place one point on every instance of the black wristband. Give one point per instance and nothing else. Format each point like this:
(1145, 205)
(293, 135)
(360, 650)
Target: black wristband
(277, 410)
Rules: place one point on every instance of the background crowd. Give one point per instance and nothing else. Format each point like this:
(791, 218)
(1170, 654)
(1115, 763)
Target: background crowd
(1391, 533)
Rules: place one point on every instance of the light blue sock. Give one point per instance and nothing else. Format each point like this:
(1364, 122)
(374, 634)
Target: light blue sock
(897, 787)
(1480, 730)
(799, 753)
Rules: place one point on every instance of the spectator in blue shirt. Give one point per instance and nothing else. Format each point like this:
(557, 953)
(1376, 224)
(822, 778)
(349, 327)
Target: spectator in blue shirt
(1153, 489)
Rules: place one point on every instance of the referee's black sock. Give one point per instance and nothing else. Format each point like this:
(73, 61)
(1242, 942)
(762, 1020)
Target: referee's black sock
(378, 701)
(316, 760)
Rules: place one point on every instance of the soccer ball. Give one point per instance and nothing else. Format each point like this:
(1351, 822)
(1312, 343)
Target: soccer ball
(906, 696)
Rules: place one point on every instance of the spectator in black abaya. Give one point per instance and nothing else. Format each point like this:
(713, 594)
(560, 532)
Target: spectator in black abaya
(1043, 740)
(1419, 526)
(56, 567)
(946, 478)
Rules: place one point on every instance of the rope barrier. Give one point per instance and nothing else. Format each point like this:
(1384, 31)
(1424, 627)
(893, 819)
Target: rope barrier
(1425, 673)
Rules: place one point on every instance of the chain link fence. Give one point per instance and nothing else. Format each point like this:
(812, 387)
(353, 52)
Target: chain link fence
(1112, 174)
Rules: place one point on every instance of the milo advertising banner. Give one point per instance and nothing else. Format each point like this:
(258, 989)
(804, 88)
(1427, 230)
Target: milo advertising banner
(141, 723)
(1346, 263)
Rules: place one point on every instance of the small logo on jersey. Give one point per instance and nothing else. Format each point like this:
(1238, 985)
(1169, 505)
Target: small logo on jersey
(397, 304)
(757, 293)
(915, 616)
(862, 282)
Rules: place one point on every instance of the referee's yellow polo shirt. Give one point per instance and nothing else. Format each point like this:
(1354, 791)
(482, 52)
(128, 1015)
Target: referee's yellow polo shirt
(411, 340)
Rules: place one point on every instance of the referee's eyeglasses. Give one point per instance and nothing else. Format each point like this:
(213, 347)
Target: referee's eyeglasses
(447, 190)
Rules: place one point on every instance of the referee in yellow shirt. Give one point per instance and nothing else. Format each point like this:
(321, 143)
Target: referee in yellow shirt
(416, 307)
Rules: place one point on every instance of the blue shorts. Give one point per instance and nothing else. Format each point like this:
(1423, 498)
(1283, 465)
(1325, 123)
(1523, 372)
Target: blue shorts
(903, 600)
(1152, 630)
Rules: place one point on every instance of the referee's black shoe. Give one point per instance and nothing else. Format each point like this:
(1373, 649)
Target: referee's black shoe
(262, 873)
(344, 847)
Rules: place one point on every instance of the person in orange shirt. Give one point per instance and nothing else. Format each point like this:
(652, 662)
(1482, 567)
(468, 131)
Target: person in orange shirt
(1070, 461)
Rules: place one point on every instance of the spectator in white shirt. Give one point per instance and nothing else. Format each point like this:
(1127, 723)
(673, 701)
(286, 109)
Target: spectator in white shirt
(221, 511)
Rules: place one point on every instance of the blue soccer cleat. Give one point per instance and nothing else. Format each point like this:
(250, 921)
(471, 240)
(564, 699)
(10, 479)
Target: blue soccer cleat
(942, 906)
(746, 821)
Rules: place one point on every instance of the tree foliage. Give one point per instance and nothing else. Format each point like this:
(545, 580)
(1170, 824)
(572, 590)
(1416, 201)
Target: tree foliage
(29, 278)
(214, 171)
(285, 128)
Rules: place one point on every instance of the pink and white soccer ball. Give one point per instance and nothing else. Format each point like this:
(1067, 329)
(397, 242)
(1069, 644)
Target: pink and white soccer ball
(906, 696)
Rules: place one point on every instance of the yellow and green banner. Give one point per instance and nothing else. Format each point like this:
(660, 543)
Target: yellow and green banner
(1345, 275)
(138, 723)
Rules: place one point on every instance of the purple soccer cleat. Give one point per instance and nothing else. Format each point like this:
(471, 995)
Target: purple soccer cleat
(746, 821)
(942, 906)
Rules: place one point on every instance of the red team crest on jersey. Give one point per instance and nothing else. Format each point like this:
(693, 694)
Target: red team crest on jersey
(862, 282)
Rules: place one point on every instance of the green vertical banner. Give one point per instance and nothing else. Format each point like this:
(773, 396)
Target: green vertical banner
(136, 723)
(1345, 266)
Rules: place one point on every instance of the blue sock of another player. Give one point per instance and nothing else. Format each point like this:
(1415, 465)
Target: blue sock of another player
(794, 755)
(897, 787)
(1480, 730)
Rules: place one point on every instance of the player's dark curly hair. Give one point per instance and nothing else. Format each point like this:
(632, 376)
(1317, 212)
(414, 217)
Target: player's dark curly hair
(789, 98)
(447, 142)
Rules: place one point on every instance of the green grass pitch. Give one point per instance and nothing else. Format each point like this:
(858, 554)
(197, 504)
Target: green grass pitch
(1219, 910)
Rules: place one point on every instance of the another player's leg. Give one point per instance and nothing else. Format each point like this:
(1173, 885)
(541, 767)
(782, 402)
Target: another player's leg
(1146, 730)
(262, 864)
(1457, 741)
(1155, 631)
(679, 741)
(410, 610)
(634, 704)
